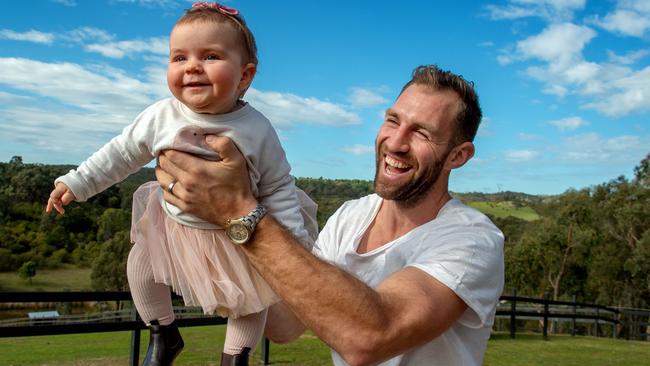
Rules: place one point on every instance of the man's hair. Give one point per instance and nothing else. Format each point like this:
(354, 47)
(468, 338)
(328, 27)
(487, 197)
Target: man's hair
(208, 14)
(469, 112)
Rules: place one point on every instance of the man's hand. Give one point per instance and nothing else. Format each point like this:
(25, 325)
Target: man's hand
(60, 196)
(212, 190)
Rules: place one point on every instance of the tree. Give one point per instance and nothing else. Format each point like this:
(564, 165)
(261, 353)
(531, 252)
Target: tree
(27, 271)
(109, 268)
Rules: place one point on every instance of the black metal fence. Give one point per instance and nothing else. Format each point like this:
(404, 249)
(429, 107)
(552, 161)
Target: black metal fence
(605, 321)
(573, 316)
(123, 322)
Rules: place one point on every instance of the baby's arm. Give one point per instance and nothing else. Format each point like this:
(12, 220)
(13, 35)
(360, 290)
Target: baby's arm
(60, 196)
(123, 155)
(277, 192)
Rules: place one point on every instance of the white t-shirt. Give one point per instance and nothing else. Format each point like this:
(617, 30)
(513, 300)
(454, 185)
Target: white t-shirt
(461, 248)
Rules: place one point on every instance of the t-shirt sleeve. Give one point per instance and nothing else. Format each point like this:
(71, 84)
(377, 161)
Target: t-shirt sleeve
(468, 260)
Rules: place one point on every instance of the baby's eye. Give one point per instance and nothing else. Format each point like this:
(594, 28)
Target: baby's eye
(211, 57)
(178, 58)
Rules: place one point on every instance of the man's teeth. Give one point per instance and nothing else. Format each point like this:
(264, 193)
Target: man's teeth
(395, 164)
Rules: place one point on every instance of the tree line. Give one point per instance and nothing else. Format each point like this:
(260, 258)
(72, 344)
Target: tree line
(593, 243)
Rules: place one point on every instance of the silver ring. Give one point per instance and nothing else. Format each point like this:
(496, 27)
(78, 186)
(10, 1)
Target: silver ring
(170, 187)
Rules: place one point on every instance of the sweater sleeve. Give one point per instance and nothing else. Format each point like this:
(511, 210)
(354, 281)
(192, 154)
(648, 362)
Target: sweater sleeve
(277, 190)
(125, 154)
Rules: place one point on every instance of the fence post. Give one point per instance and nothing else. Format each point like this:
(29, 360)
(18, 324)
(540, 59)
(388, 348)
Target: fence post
(545, 331)
(597, 316)
(575, 314)
(135, 342)
(513, 310)
(266, 344)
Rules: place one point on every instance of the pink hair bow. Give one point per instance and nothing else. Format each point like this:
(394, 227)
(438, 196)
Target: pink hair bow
(221, 8)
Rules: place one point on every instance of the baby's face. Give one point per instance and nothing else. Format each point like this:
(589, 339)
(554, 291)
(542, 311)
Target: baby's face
(206, 70)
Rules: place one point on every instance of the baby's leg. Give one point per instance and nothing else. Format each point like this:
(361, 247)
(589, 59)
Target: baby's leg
(244, 332)
(153, 300)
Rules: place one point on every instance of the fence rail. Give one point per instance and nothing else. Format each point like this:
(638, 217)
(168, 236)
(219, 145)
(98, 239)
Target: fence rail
(624, 323)
(72, 325)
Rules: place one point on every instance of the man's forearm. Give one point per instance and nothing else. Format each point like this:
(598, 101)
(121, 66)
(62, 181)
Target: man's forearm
(334, 304)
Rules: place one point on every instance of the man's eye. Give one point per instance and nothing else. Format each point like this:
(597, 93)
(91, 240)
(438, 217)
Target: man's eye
(391, 122)
(422, 134)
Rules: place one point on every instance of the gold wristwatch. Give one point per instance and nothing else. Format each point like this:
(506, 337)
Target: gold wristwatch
(240, 230)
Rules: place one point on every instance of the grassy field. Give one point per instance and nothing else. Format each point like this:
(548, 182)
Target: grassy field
(70, 279)
(203, 345)
(505, 209)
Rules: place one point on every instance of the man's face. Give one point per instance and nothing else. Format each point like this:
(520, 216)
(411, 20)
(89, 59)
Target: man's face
(413, 143)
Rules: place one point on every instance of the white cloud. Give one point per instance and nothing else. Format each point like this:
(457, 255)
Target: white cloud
(165, 4)
(559, 43)
(358, 149)
(155, 45)
(111, 92)
(629, 18)
(83, 34)
(520, 156)
(591, 147)
(626, 94)
(553, 10)
(628, 58)
(285, 109)
(612, 88)
(65, 2)
(361, 97)
(30, 36)
(528, 136)
(569, 123)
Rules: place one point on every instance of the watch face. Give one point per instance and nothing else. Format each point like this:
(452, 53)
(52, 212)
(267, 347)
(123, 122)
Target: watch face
(238, 233)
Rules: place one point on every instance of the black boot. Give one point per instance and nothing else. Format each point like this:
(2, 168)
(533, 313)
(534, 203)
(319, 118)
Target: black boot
(165, 343)
(235, 360)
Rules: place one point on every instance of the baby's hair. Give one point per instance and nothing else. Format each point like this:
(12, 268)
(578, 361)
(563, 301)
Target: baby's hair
(212, 13)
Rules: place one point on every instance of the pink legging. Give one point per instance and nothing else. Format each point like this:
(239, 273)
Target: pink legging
(153, 301)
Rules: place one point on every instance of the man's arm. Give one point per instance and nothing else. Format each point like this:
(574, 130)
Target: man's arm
(282, 325)
(362, 324)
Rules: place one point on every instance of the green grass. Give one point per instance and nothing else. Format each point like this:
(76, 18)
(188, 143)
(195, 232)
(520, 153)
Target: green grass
(70, 279)
(505, 209)
(528, 349)
(203, 346)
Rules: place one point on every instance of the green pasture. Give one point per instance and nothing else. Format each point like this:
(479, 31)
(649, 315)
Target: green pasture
(203, 346)
(505, 209)
(62, 279)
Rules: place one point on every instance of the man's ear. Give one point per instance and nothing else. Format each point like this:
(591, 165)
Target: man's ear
(247, 75)
(459, 155)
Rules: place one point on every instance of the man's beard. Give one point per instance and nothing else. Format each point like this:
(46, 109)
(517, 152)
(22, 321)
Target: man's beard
(411, 193)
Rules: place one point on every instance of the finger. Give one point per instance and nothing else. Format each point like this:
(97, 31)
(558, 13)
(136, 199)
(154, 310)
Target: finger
(224, 146)
(49, 206)
(67, 198)
(173, 161)
(174, 200)
(59, 208)
(163, 177)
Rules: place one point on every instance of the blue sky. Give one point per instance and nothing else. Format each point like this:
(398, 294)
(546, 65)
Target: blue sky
(564, 84)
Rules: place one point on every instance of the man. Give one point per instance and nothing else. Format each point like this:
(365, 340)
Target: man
(408, 276)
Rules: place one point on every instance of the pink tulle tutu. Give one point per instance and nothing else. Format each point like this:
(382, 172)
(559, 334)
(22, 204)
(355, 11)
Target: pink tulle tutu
(200, 265)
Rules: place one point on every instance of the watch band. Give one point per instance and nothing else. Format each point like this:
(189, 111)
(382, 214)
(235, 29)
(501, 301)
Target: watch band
(254, 217)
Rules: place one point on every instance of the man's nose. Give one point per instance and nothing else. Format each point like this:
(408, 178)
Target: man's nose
(398, 141)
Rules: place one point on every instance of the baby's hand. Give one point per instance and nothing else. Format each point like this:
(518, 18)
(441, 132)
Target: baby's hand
(60, 196)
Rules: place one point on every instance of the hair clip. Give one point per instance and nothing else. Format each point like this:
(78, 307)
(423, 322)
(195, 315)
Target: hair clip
(221, 8)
